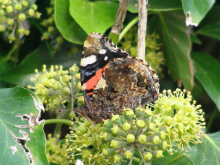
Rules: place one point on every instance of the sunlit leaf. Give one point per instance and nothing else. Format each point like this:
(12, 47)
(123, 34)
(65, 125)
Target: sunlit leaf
(93, 16)
(67, 26)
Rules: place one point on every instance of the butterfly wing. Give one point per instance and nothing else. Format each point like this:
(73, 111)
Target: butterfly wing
(97, 54)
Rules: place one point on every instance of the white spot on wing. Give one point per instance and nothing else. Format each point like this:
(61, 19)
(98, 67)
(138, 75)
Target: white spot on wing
(14, 149)
(88, 60)
(102, 51)
(106, 58)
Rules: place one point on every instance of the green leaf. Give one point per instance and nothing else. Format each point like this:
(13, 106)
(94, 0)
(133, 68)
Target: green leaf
(67, 26)
(195, 10)
(156, 5)
(175, 159)
(21, 74)
(37, 145)
(176, 41)
(20, 112)
(93, 16)
(207, 71)
(211, 30)
(207, 152)
(195, 39)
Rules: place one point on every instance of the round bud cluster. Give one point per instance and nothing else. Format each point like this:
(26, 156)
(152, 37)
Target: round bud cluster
(57, 86)
(153, 56)
(52, 34)
(86, 143)
(182, 119)
(136, 131)
(56, 151)
(12, 15)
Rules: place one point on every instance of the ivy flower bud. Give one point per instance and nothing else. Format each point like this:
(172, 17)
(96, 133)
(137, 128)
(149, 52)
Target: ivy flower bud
(159, 154)
(34, 6)
(18, 6)
(130, 138)
(105, 152)
(2, 13)
(9, 9)
(78, 76)
(117, 159)
(165, 145)
(79, 86)
(140, 123)
(114, 117)
(114, 144)
(80, 100)
(38, 15)
(142, 139)
(10, 21)
(59, 40)
(2, 28)
(128, 154)
(126, 126)
(31, 12)
(156, 140)
(148, 156)
(24, 3)
(114, 129)
(21, 17)
(162, 135)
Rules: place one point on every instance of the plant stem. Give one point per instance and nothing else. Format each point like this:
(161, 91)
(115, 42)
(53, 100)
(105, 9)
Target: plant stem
(59, 121)
(118, 24)
(142, 27)
(128, 27)
(121, 13)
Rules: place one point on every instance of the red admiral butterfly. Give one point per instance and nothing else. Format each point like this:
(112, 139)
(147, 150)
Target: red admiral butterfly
(111, 79)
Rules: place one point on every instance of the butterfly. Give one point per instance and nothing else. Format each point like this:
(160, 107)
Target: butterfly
(113, 80)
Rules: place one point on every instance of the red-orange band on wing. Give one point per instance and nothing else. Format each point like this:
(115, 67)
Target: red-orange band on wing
(92, 82)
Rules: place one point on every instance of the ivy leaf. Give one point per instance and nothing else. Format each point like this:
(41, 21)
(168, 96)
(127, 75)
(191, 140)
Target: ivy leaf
(207, 152)
(156, 5)
(21, 74)
(177, 45)
(175, 159)
(207, 71)
(93, 16)
(195, 10)
(67, 26)
(20, 113)
(211, 30)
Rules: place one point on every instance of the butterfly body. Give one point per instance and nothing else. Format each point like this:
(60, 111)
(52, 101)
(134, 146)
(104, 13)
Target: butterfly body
(112, 80)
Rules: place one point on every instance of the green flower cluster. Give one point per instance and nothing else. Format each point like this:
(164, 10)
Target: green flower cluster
(52, 34)
(136, 136)
(13, 13)
(57, 86)
(86, 143)
(141, 134)
(182, 119)
(154, 56)
(56, 151)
